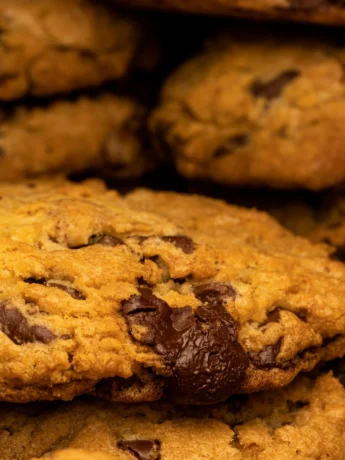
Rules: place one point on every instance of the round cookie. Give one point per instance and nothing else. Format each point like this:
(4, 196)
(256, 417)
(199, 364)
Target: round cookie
(156, 295)
(48, 48)
(247, 111)
(306, 420)
(105, 132)
(318, 11)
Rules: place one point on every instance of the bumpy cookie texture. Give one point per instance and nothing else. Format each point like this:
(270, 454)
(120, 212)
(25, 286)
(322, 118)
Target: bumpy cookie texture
(156, 295)
(47, 48)
(249, 112)
(318, 11)
(305, 420)
(104, 132)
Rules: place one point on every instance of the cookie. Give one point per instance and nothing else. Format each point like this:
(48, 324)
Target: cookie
(156, 295)
(248, 112)
(48, 48)
(305, 420)
(318, 11)
(104, 132)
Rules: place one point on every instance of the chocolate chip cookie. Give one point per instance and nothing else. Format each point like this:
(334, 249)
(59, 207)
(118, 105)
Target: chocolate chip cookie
(105, 132)
(48, 47)
(264, 109)
(156, 295)
(318, 11)
(306, 420)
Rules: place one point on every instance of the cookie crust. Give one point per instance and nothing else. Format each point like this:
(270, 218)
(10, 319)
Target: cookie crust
(156, 295)
(306, 419)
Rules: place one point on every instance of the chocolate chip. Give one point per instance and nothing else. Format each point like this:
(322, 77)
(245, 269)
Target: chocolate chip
(214, 291)
(273, 88)
(181, 242)
(142, 449)
(266, 358)
(105, 240)
(69, 290)
(143, 283)
(272, 317)
(17, 328)
(34, 280)
(201, 348)
(66, 336)
(232, 144)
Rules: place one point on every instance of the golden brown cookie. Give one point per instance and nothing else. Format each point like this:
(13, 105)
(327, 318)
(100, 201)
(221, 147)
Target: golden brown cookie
(306, 420)
(105, 132)
(262, 108)
(48, 47)
(156, 295)
(318, 11)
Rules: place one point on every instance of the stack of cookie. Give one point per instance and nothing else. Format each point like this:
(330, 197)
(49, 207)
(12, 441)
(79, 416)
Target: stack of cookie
(157, 325)
(57, 63)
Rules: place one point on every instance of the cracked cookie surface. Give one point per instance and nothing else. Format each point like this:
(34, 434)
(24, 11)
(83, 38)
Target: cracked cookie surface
(104, 132)
(318, 11)
(305, 420)
(248, 112)
(48, 48)
(156, 295)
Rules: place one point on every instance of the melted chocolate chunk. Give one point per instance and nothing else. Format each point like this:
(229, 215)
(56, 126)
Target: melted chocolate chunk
(142, 449)
(201, 348)
(69, 290)
(181, 242)
(214, 292)
(273, 88)
(17, 328)
(35, 281)
(105, 240)
(232, 144)
(266, 358)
